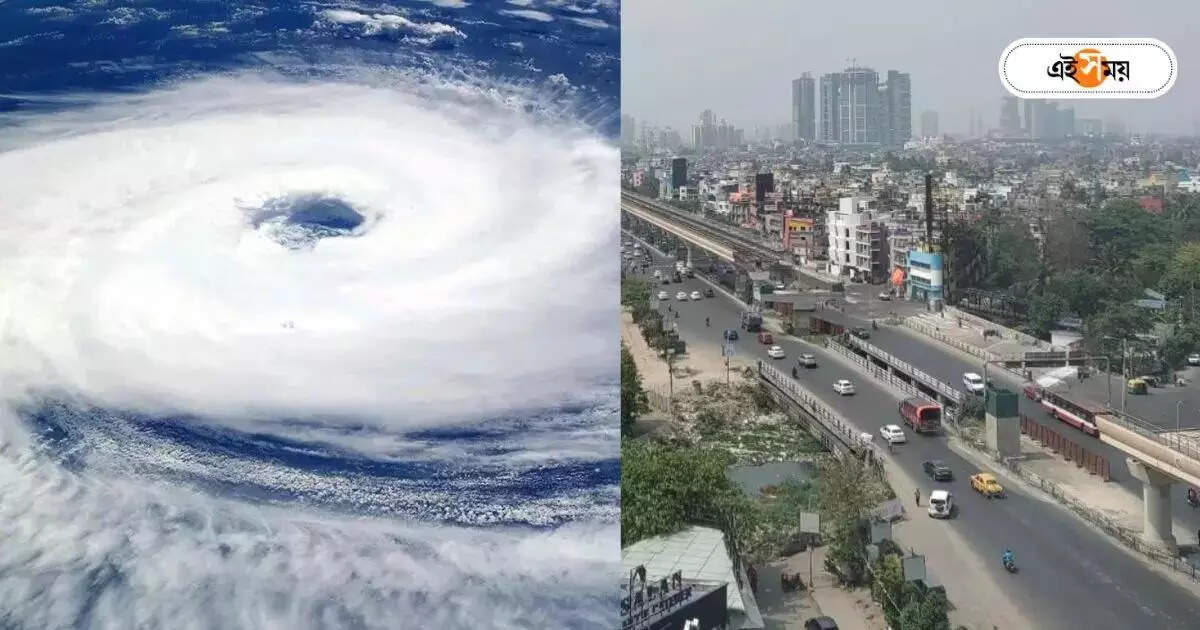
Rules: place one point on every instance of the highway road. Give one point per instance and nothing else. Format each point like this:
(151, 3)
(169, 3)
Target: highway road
(949, 365)
(1070, 576)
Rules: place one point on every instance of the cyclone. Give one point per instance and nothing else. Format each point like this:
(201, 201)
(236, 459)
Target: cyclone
(317, 345)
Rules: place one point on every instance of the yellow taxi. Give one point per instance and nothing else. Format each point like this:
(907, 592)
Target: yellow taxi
(986, 484)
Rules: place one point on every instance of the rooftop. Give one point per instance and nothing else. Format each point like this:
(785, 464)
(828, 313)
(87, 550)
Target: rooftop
(699, 554)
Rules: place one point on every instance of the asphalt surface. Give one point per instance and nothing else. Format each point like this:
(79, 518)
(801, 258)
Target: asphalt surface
(949, 366)
(1069, 576)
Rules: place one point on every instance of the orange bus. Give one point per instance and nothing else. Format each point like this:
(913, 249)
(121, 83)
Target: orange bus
(922, 415)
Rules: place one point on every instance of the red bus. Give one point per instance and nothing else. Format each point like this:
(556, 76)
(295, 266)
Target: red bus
(1080, 416)
(920, 414)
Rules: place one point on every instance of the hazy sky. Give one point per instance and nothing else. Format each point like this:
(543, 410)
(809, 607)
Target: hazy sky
(679, 57)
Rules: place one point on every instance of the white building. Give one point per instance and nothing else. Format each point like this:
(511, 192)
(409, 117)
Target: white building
(856, 241)
(1191, 184)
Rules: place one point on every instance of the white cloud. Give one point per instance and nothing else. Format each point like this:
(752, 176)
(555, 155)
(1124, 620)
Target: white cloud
(473, 291)
(529, 14)
(384, 22)
(589, 22)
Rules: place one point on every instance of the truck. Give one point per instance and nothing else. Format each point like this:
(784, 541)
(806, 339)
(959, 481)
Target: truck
(751, 321)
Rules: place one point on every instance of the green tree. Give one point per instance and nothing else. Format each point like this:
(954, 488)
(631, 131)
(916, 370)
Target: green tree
(1181, 275)
(665, 487)
(1044, 310)
(633, 397)
(848, 492)
(1066, 244)
(1118, 229)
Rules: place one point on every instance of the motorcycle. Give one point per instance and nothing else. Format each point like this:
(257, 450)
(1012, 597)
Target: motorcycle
(706, 321)
(1192, 499)
(1010, 565)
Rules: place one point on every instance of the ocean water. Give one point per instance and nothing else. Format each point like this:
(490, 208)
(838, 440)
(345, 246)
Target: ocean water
(299, 323)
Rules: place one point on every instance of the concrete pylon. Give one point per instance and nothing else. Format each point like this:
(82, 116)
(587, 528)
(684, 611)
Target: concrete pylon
(1156, 504)
(689, 255)
(1002, 426)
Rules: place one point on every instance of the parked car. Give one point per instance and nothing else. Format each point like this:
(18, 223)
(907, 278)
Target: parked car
(775, 352)
(893, 434)
(1194, 358)
(658, 273)
(973, 382)
(681, 296)
(938, 470)
(730, 334)
(663, 295)
(820, 623)
(765, 338)
(986, 484)
(807, 361)
(709, 292)
(885, 296)
(941, 503)
(780, 285)
(860, 332)
(843, 387)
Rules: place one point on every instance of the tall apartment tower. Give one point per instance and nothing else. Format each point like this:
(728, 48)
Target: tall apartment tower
(860, 110)
(804, 113)
(896, 121)
(1010, 116)
(831, 87)
(929, 124)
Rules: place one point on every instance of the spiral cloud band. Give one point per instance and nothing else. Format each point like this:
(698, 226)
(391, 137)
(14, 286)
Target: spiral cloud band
(270, 346)
(138, 269)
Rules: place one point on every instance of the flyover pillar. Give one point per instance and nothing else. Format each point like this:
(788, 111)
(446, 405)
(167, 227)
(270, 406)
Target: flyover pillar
(1156, 501)
(689, 254)
(1003, 429)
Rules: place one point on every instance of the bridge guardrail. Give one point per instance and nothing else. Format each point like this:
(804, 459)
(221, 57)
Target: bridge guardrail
(1151, 432)
(934, 333)
(831, 420)
(928, 379)
(732, 238)
(883, 375)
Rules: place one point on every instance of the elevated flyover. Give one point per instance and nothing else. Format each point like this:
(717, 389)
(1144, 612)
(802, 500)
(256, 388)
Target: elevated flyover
(725, 244)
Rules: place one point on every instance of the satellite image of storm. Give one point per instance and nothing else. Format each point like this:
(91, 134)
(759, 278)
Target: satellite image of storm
(305, 315)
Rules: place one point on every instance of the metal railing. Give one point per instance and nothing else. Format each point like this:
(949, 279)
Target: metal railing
(1129, 537)
(924, 377)
(831, 421)
(1188, 448)
(950, 413)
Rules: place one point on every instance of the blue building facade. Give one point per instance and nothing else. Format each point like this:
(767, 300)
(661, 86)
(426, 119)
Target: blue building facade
(925, 276)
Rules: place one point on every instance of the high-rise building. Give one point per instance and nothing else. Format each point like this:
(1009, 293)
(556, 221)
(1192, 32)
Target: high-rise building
(929, 124)
(679, 172)
(628, 129)
(1010, 116)
(859, 107)
(763, 183)
(831, 87)
(897, 109)
(1066, 122)
(1045, 121)
(804, 113)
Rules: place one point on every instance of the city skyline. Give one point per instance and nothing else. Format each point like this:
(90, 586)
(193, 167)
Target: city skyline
(751, 85)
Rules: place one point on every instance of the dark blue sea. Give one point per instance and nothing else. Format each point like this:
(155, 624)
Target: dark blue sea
(298, 314)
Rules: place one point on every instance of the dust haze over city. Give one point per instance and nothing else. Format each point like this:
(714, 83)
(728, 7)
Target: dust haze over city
(681, 58)
(864, 283)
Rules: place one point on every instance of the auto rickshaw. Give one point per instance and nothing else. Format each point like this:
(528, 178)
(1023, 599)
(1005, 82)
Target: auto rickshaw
(1136, 386)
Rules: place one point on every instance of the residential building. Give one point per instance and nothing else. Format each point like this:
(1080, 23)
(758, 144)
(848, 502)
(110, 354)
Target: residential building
(856, 241)
(804, 113)
(831, 87)
(925, 276)
(929, 124)
(897, 109)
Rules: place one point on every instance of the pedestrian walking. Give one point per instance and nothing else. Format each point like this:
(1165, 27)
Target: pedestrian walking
(917, 496)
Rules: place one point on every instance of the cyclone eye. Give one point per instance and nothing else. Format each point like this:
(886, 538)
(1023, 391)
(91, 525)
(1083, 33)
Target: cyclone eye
(300, 221)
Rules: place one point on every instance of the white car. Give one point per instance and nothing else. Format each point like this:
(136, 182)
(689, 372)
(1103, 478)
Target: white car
(843, 387)
(808, 361)
(779, 285)
(941, 502)
(697, 296)
(663, 295)
(681, 296)
(1194, 358)
(658, 273)
(775, 352)
(892, 434)
(973, 382)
